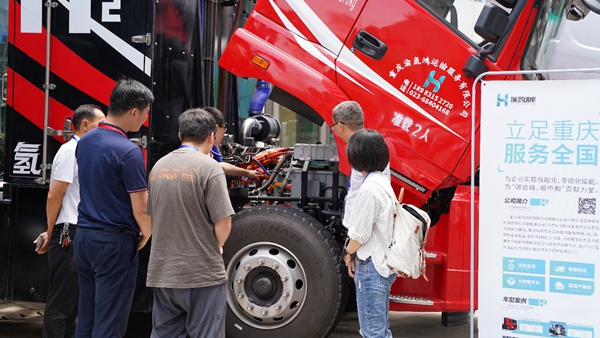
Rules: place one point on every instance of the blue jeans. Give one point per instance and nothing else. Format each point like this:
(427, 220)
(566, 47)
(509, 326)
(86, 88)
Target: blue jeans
(372, 299)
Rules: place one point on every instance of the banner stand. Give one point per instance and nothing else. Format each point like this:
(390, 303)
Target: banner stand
(473, 169)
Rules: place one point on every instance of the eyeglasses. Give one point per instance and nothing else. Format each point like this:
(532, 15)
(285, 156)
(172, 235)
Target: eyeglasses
(333, 125)
(224, 128)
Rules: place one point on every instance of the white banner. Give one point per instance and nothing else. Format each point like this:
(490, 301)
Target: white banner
(539, 230)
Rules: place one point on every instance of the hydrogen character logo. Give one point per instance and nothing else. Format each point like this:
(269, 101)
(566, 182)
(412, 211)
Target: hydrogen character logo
(502, 100)
(432, 80)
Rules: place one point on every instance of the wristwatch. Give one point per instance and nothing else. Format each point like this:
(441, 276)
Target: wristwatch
(346, 253)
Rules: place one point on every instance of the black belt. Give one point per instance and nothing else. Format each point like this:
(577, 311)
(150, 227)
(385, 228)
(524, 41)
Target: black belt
(67, 223)
(115, 230)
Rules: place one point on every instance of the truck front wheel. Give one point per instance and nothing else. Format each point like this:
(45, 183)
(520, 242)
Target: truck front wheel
(284, 277)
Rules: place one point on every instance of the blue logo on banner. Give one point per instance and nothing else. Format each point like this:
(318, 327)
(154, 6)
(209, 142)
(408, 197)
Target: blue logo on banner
(537, 302)
(503, 100)
(432, 80)
(572, 286)
(573, 270)
(538, 201)
(521, 265)
(523, 282)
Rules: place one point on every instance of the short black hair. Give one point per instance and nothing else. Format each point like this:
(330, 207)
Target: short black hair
(84, 112)
(195, 125)
(217, 115)
(367, 151)
(128, 94)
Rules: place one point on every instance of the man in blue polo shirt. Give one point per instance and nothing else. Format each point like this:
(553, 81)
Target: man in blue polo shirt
(112, 224)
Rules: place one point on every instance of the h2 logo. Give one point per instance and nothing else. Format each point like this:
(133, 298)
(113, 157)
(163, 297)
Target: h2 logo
(80, 15)
(432, 80)
(501, 100)
(81, 22)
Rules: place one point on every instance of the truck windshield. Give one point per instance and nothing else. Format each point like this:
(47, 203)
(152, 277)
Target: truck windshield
(550, 18)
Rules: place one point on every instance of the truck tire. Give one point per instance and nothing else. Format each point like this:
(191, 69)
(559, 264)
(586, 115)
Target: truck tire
(284, 277)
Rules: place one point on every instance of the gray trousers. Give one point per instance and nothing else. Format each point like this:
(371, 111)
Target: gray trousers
(195, 313)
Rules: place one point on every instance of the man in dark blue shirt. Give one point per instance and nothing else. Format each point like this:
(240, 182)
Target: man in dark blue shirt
(215, 152)
(112, 222)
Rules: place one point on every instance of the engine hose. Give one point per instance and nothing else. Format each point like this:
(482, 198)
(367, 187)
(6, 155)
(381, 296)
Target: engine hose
(261, 166)
(275, 173)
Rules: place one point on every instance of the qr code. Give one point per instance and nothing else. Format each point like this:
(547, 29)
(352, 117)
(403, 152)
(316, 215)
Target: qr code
(587, 206)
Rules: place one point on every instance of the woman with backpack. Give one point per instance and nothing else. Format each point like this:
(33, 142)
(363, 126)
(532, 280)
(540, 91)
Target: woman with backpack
(364, 253)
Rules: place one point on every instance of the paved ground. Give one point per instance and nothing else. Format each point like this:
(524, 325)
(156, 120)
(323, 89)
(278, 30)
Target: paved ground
(407, 325)
(24, 320)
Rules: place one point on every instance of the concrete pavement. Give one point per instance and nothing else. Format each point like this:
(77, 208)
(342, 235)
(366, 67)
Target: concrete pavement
(24, 320)
(407, 325)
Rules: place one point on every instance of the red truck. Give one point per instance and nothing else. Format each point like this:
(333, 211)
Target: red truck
(410, 64)
(509, 324)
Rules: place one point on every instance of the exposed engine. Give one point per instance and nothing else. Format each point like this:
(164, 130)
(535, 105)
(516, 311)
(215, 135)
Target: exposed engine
(304, 177)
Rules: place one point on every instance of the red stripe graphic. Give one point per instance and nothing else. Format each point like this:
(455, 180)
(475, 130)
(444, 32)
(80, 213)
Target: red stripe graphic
(63, 61)
(28, 100)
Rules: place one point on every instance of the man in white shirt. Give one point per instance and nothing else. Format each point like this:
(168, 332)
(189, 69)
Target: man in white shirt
(347, 120)
(61, 215)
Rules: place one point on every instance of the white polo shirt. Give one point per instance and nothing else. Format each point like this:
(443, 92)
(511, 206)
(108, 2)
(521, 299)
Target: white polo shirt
(64, 169)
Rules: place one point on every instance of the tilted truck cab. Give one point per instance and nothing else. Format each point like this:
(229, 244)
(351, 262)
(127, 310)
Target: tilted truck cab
(399, 59)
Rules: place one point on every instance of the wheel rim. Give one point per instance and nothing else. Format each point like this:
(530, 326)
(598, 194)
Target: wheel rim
(267, 285)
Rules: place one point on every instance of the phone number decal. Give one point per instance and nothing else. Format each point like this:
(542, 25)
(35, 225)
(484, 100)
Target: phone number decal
(429, 98)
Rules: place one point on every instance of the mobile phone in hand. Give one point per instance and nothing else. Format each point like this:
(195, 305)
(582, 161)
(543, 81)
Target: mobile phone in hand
(40, 242)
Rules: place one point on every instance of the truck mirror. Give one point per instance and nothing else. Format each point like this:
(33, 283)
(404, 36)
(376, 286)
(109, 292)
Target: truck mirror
(593, 5)
(577, 11)
(492, 23)
(474, 67)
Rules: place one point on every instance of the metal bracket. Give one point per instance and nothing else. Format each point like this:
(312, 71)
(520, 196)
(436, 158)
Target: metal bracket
(40, 180)
(145, 38)
(140, 141)
(43, 180)
(4, 81)
(51, 4)
(66, 134)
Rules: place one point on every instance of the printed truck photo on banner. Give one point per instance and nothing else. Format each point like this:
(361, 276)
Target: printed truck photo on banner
(539, 226)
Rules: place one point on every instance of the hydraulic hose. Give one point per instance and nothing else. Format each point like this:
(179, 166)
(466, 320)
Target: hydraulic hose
(274, 174)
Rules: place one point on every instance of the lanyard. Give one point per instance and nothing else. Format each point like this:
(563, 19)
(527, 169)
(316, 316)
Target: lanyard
(366, 176)
(76, 138)
(105, 125)
(185, 146)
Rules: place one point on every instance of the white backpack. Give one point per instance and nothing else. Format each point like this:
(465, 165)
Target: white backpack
(406, 252)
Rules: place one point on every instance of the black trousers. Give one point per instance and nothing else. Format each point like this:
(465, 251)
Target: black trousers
(63, 291)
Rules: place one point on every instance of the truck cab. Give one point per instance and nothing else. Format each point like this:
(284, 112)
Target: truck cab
(411, 65)
(509, 324)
